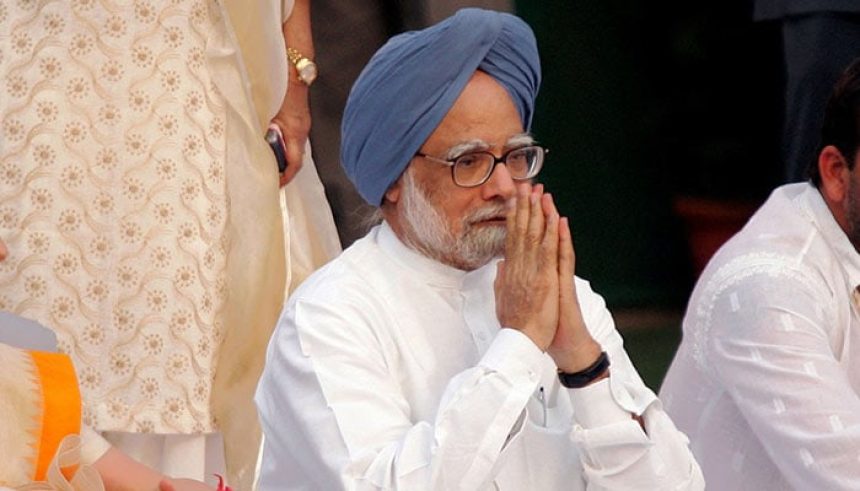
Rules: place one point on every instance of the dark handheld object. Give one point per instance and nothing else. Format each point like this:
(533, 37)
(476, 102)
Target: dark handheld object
(275, 139)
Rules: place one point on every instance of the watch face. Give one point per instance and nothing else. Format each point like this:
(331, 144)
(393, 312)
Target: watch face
(307, 71)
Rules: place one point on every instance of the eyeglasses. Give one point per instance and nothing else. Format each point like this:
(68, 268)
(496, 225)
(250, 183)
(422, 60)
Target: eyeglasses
(475, 168)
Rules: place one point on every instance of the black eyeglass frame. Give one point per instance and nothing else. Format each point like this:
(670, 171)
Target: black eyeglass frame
(496, 161)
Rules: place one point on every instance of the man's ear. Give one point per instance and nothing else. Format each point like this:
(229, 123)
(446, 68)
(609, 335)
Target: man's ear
(392, 195)
(835, 173)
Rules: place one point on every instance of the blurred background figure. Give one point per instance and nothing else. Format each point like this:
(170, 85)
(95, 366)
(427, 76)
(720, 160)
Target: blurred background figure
(140, 202)
(820, 38)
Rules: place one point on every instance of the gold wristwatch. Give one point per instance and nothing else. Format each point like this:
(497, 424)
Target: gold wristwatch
(305, 67)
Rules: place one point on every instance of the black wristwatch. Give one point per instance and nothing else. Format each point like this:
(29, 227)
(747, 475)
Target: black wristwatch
(582, 378)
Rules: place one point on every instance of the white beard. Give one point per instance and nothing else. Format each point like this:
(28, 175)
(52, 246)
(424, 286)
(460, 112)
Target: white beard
(426, 230)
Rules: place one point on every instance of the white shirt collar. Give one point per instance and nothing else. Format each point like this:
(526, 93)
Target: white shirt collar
(432, 271)
(813, 204)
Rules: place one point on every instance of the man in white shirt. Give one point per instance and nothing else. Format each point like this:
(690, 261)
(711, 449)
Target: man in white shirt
(767, 378)
(417, 360)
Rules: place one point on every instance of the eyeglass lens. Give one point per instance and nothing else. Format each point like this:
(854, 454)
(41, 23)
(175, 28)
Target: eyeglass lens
(474, 168)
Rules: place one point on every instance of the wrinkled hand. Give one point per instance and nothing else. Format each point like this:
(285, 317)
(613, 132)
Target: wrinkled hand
(294, 119)
(527, 281)
(573, 349)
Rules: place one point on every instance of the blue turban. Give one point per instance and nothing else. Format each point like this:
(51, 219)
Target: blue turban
(409, 85)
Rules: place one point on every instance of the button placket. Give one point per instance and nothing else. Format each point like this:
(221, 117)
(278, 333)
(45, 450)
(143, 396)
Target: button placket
(476, 320)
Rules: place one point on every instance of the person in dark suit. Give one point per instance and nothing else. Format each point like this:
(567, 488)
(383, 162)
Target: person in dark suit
(820, 39)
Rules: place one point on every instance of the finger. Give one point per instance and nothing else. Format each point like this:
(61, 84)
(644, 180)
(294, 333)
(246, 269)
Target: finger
(550, 240)
(548, 206)
(295, 157)
(566, 255)
(500, 276)
(521, 219)
(165, 485)
(536, 226)
(498, 286)
(511, 224)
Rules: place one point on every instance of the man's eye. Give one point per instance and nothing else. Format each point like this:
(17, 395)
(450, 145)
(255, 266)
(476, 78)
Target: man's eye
(468, 160)
(519, 156)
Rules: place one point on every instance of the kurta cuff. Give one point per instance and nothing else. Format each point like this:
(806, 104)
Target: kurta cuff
(514, 354)
(93, 446)
(594, 406)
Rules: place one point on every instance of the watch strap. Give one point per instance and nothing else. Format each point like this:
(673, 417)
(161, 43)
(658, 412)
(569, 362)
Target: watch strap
(584, 377)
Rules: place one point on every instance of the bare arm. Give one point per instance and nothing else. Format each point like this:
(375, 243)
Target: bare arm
(119, 472)
(294, 117)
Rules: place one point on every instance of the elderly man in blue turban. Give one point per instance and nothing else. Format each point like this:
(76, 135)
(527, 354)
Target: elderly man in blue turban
(452, 347)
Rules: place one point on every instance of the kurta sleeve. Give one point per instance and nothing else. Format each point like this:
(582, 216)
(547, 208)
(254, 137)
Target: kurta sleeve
(769, 346)
(286, 9)
(93, 446)
(331, 404)
(616, 452)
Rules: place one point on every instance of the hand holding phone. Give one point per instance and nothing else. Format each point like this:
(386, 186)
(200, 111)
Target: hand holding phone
(275, 139)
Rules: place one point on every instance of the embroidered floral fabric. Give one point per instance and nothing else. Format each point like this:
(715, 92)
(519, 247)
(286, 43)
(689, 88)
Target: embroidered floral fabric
(113, 200)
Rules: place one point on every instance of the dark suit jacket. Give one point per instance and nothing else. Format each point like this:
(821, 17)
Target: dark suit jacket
(777, 9)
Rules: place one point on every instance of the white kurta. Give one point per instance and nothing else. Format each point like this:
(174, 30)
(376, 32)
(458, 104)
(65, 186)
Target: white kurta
(390, 370)
(766, 380)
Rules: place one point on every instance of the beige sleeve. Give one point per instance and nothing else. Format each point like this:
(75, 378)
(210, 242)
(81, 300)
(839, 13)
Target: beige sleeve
(286, 9)
(93, 446)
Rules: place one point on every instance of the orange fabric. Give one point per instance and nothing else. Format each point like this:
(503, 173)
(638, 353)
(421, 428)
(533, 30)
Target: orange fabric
(61, 406)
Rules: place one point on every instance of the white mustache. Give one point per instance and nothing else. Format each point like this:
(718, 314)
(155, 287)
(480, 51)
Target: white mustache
(489, 213)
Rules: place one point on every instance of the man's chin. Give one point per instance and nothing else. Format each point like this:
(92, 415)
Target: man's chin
(482, 245)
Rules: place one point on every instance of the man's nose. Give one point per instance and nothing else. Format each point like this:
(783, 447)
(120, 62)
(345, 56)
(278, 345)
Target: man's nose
(500, 184)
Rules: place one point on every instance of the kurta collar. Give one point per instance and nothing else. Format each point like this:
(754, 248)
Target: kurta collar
(833, 234)
(431, 271)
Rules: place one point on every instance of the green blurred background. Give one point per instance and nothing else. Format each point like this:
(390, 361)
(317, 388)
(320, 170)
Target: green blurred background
(644, 103)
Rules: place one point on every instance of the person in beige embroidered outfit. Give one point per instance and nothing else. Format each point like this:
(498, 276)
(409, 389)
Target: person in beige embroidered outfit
(42, 443)
(140, 202)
